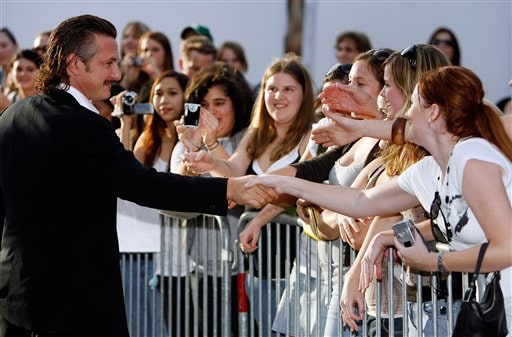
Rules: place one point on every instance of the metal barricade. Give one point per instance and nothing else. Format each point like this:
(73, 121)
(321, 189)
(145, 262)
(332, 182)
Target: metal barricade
(274, 286)
(305, 316)
(186, 288)
(205, 285)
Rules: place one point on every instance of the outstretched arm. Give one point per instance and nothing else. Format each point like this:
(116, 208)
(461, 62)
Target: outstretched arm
(345, 130)
(387, 198)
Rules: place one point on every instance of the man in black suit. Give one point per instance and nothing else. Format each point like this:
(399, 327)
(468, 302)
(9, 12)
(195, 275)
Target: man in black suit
(61, 169)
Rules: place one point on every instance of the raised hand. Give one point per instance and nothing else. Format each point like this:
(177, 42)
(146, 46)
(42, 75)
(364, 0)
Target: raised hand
(150, 67)
(343, 98)
(209, 125)
(341, 131)
(190, 137)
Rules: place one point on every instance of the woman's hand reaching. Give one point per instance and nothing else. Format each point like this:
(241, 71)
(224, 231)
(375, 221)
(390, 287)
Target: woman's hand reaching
(199, 162)
(341, 130)
(343, 98)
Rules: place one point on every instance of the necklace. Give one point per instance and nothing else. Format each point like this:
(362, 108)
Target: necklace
(463, 216)
(436, 213)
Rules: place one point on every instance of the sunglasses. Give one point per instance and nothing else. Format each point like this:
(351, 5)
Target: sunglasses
(381, 54)
(436, 217)
(338, 70)
(410, 54)
(438, 42)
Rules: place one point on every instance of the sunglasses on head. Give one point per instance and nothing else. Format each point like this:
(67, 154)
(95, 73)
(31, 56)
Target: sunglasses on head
(339, 69)
(410, 54)
(381, 54)
(437, 42)
(437, 216)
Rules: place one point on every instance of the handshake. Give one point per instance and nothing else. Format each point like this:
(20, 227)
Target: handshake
(240, 191)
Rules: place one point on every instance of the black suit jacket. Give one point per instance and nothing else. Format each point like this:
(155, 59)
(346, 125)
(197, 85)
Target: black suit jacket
(61, 169)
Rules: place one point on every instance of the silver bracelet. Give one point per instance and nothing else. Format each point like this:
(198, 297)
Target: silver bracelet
(213, 146)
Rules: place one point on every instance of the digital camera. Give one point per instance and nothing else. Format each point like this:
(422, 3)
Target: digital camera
(404, 232)
(192, 114)
(130, 107)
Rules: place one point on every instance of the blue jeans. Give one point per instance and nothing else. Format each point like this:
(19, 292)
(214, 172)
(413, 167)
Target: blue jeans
(298, 302)
(265, 325)
(385, 323)
(427, 315)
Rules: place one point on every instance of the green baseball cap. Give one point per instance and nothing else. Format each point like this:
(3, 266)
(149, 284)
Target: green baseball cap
(196, 30)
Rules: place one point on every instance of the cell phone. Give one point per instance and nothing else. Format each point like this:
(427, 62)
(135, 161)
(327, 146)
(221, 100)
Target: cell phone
(404, 232)
(192, 114)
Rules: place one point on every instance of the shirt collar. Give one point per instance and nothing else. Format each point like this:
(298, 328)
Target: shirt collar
(79, 96)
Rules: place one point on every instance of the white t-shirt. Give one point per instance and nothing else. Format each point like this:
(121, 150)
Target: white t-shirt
(422, 181)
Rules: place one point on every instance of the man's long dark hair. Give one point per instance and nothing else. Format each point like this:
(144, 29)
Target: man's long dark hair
(75, 35)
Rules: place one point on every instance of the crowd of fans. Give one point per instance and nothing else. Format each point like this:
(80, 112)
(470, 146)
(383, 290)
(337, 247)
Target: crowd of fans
(267, 127)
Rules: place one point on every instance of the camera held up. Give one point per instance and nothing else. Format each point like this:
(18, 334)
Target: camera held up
(130, 106)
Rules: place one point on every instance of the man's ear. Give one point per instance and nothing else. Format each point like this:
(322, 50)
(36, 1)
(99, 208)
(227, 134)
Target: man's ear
(180, 63)
(73, 64)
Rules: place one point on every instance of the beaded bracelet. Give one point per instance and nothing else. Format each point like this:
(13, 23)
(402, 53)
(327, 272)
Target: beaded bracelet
(213, 146)
(398, 131)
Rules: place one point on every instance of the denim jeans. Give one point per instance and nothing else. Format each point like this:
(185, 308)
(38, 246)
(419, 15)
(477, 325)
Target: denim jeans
(427, 317)
(385, 323)
(265, 324)
(305, 304)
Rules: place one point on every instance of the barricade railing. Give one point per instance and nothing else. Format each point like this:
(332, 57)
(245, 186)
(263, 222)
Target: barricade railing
(204, 283)
(185, 289)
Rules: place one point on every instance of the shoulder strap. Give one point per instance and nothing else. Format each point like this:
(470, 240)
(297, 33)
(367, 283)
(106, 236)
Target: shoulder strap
(372, 154)
(483, 248)
(372, 179)
(472, 283)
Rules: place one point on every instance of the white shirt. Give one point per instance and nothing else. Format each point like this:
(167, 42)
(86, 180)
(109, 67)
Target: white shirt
(80, 97)
(422, 181)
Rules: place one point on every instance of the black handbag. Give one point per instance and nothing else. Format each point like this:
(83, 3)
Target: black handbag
(487, 317)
